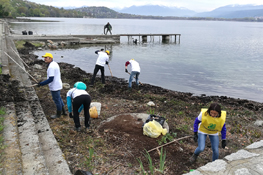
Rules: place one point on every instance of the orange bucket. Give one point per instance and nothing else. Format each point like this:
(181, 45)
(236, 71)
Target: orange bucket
(93, 112)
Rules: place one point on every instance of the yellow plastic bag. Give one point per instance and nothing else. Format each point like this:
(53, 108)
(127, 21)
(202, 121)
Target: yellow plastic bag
(153, 129)
(93, 112)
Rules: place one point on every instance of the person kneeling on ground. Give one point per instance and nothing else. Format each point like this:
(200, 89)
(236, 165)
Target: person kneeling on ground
(135, 71)
(212, 121)
(79, 98)
(55, 84)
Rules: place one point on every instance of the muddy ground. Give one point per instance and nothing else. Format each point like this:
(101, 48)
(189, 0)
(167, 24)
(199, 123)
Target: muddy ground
(115, 147)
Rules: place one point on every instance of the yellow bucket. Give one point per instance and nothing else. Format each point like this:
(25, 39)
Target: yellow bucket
(93, 112)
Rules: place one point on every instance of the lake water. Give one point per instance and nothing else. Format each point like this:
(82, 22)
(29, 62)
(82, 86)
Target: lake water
(213, 58)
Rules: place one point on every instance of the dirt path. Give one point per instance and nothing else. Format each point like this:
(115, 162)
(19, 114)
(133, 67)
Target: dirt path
(114, 148)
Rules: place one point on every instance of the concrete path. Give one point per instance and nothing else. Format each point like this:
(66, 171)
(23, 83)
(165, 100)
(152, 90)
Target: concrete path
(248, 161)
(77, 39)
(31, 146)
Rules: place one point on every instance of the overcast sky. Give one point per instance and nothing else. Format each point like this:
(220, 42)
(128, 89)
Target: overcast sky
(195, 5)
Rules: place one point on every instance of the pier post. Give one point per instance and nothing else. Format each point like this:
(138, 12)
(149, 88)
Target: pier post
(165, 38)
(175, 38)
(179, 38)
(144, 38)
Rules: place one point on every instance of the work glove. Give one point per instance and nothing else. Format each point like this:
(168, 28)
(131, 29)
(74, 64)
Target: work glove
(126, 70)
(223, 144)
(107, 62)
(70, 115)
(195, 136)
(39, 84)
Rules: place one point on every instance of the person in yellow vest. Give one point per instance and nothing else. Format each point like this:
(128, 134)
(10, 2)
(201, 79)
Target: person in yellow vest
(210, 122)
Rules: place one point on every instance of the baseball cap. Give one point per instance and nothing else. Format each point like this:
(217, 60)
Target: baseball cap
(48, 55)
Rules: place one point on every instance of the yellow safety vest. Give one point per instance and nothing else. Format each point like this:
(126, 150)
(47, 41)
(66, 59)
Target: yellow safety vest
(212, 125)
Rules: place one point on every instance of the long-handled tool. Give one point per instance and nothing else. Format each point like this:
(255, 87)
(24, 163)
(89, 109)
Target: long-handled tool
(33, 85)
(110, 70)
(20, 57)
(169, 143)
(135, 78)
(21, 68)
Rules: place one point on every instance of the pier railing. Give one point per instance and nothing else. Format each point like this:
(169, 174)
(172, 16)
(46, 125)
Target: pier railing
(143, 37)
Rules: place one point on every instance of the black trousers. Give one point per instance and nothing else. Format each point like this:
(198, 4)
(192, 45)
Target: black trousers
(96, 69)
(108, 30)
(77, 102)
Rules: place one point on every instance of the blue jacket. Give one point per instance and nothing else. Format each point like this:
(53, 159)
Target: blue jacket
(77, 85)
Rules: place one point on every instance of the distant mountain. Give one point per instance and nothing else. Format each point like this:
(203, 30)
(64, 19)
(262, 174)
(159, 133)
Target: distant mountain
(234, 11)
(98, 12)
(67, 8)
(71, 7)
(156, 10)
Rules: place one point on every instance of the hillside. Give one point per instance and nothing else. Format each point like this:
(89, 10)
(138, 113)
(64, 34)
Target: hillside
(19, 8)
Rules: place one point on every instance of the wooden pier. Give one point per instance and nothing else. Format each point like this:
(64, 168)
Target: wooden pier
(96, 39)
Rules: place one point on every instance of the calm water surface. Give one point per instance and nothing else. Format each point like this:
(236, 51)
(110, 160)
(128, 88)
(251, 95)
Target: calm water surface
(213, 58)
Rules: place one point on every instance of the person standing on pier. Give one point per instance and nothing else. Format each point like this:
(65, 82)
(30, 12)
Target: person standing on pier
(102, 59)
(108, 28)
(135, 71)
(55, 84)
(209, 122)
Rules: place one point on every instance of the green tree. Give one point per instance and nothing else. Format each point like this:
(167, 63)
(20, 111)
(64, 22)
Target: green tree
(3, 13)
(36, 12)
(21, 10)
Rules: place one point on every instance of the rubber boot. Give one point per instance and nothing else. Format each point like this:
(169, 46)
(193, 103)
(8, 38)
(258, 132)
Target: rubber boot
(63, 111)
(193, 158)
(57, 115)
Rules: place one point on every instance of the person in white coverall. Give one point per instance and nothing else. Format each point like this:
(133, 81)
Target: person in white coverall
(135, 71)
(55, 84)
(100, 63)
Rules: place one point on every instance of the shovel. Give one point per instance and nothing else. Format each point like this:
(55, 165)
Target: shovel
(110, 70)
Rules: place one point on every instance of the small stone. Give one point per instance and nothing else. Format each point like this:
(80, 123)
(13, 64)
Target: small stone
(258, 123)
(150, 103)
(66, 86)
(37, 66)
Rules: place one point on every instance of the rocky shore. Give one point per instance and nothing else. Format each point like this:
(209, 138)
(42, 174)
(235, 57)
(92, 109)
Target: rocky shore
(116, 148)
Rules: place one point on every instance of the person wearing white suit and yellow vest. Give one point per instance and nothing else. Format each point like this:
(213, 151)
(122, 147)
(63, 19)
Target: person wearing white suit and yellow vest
(210, 122)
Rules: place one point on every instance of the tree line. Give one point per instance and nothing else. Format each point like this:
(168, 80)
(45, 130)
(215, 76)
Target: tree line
(23, 8)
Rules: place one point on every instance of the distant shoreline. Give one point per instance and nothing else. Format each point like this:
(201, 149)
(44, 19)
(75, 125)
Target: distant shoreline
(26, 19)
